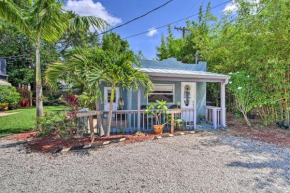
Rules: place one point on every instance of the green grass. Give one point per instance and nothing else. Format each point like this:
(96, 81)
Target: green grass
(24, 120)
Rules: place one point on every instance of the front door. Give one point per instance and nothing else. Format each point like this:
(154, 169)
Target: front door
(107, 96)
(188, 101)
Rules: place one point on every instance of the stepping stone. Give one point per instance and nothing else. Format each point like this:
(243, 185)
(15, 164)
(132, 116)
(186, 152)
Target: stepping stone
(106, 142)
(122, 139)
(87, 146)
(65, 150)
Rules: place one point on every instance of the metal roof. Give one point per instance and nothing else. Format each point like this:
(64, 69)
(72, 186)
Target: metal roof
(183, 73)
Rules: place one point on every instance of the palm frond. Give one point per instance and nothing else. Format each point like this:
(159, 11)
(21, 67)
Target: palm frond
(12, 13)
(85, 22)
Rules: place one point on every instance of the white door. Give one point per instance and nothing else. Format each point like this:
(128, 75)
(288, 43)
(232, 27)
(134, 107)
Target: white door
(107, 95)
(188, 101)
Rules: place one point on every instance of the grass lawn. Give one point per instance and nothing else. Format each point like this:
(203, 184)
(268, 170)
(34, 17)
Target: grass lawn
(24, 120)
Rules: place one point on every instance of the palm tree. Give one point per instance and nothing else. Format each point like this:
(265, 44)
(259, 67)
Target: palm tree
(91, 66)
(118, 70)
(44, 20)
(75, 70)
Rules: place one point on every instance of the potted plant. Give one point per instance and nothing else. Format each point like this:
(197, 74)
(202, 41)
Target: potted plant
(202, 119)
(157, 110)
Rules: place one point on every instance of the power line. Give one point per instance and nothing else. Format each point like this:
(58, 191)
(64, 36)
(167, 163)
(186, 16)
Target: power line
(136, 18)
(144, 32)
(191, 8)
(14, 56)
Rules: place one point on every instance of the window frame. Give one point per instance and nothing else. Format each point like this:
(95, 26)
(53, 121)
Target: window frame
(173, 93)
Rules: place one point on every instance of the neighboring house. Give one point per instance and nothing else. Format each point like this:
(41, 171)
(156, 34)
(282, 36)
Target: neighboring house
(174, 82)
(3, 75)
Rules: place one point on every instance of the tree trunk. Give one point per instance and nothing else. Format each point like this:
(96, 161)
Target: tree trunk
(110, 111)
(246, 119)
(39, 103)
(99, 120)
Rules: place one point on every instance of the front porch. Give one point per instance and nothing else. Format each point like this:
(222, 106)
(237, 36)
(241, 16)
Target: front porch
(131, 121)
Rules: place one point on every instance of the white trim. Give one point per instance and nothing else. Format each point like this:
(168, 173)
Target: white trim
(183, 73)
(173, 85)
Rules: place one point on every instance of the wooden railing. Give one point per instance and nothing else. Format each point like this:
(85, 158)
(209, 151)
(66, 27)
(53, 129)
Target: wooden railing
(213, 116)
(127, 121)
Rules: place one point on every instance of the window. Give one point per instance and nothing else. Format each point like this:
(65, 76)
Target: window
(161, 92)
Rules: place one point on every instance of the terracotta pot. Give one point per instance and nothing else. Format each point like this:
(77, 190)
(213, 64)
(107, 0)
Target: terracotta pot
(158, 129)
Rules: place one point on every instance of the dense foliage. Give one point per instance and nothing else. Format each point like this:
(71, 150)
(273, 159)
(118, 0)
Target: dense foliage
(8, 96)
(255, 39)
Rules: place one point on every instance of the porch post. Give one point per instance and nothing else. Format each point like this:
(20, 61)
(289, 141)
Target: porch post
(139, 109)
(223, 104)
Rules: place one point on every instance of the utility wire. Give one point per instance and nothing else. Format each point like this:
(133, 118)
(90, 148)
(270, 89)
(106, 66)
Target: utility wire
(144, 32)
(136, 18)
(191, 8)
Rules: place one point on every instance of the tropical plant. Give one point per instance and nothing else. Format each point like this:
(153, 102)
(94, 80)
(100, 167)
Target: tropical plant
(75, 71)
(90, 66)
(44, 20)
(157, 110)
(118, 70)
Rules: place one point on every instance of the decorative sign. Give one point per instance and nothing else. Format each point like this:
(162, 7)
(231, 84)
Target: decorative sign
(174, 111)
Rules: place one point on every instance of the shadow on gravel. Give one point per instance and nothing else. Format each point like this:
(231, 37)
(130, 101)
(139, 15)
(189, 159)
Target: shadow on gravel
(9, 145)
(278, 161)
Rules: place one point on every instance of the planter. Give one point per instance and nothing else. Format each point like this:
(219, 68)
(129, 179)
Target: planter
(158, 129)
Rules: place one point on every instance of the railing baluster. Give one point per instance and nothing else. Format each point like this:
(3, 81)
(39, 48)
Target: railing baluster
(134, 120)
(147, 122)
(143, 121)
(121, 120)
(116, 120)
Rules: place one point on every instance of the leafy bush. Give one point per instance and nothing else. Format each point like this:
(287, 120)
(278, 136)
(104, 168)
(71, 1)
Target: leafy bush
(243, 88)
(9, 95)
(63, 123)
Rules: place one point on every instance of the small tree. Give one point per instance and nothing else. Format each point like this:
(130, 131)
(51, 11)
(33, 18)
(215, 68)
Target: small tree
(118, 70)
(242, 87)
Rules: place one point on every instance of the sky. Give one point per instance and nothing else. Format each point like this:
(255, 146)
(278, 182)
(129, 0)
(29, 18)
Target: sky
(117, 12)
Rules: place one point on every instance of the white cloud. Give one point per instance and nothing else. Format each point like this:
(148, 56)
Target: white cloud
(152, 32)
(90, 8)
(233, 6)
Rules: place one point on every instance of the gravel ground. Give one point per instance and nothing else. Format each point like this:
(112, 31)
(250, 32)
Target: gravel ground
(202, 162)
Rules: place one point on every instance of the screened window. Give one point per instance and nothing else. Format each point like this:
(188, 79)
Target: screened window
(161, 92)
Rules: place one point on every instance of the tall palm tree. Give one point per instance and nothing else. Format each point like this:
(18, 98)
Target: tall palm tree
(44, 20)
(118, 70)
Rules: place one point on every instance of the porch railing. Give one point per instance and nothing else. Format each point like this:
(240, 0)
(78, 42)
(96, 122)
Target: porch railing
(127, 121)
(213, 116)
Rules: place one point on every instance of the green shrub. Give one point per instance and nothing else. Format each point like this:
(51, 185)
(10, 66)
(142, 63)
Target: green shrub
(9, 95)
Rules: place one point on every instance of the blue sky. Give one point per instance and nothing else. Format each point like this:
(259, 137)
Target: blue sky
(117, 12)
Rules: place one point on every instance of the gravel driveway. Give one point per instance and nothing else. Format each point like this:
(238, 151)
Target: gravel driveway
(202, 162)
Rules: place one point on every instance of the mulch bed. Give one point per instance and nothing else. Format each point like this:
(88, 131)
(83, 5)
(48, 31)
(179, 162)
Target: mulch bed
(236, 127)
(269, 134)
(49, 144)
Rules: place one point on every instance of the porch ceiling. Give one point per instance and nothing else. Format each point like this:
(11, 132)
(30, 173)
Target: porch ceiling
(185, 75)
